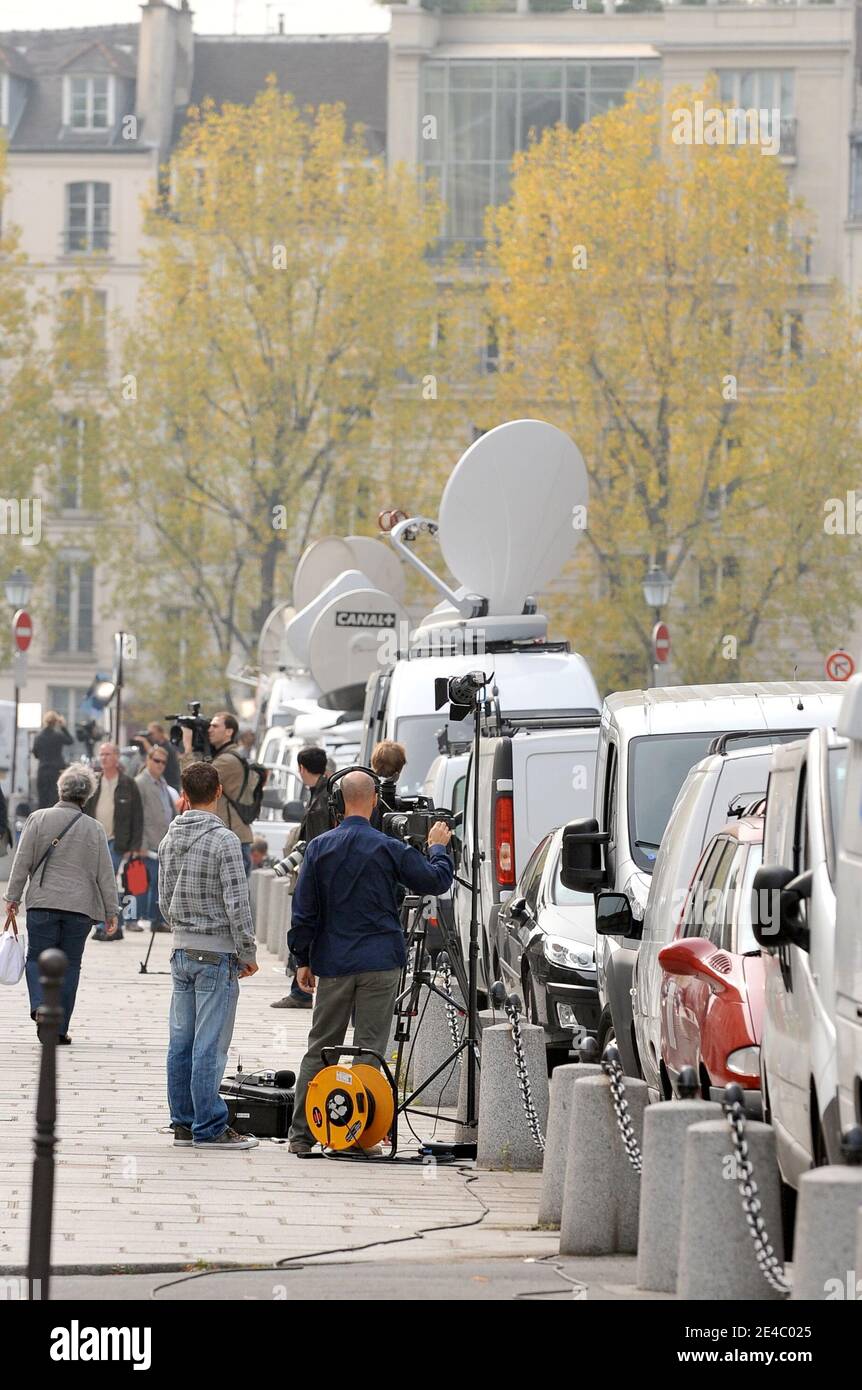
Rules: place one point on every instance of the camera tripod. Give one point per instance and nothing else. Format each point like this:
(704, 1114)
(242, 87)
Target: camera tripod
(143, 967)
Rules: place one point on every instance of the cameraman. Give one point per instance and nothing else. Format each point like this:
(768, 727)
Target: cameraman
(316, 821)
(388, 760)
(346, 934)
(230, 766)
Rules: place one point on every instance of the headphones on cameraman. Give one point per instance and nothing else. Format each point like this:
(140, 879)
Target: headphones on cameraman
(335, 796)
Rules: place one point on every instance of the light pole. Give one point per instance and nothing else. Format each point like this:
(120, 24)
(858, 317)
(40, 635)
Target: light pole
(18, 588)
(656, 590)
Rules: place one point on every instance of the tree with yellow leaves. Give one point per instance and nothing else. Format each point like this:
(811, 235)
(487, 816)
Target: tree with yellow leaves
(277, 361)
(651, 296)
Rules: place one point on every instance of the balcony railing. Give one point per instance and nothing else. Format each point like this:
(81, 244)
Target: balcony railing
(85, 241)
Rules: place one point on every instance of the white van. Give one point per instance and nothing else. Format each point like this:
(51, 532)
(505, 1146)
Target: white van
(648, 742)
(848, 921)
(720, 785)
(798, 1066)
(530, 782)
(399, 699)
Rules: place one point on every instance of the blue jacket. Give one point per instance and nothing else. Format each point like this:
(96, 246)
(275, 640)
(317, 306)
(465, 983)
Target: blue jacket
(345, 909)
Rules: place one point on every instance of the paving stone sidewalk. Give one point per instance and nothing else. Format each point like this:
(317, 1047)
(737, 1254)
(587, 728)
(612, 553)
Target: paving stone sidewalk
(125, 1198)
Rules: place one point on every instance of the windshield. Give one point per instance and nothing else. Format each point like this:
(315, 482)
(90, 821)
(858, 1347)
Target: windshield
(658, 766)
(418, 733)
(746, 941)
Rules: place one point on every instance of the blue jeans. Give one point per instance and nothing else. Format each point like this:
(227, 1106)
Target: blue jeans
(203, 1009)
(66, 930)
(128, 905)
(246, 858)
(147, 904)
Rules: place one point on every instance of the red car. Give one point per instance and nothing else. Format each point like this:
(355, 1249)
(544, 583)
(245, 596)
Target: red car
(712, 984)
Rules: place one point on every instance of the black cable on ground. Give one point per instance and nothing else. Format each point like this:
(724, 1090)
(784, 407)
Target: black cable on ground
(299, 1260)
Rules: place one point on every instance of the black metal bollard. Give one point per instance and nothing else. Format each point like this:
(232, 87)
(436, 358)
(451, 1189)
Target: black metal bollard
(52, 966)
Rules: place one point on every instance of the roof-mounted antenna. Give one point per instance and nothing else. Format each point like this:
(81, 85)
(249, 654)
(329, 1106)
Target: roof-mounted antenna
(799, 704)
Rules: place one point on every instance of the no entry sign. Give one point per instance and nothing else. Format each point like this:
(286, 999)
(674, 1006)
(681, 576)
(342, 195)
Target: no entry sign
(22, 629)
(840, 666)
(661, 641)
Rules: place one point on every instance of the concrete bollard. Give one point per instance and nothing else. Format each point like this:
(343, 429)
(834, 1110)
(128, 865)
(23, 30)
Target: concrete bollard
(485, 1018)
(265, 900)
(283, 952)
(665, 1127)
(824, 1252)
(557, 1140)
(504, 1137)
(433, 1045)
(716, 1252)
(278, 915)
(255, 884)
(602, 1191)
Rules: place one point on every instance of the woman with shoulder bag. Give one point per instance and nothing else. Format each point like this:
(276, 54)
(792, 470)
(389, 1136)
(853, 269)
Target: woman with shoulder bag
(64, 861)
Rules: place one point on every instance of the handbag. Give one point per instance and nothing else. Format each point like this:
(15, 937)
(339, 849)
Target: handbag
(12, 953)
(135, 877)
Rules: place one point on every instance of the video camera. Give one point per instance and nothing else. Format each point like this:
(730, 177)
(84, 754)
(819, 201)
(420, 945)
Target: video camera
(413, 826)
(198, 725)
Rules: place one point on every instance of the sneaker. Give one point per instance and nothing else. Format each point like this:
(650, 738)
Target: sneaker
(228, 1139)
(288, 1002)
(182, 1137)
(99, 934)
(299, 1148)
(133, 926)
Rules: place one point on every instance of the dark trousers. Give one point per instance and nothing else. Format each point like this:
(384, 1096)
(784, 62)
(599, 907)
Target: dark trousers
(370, 997)
(66, 930)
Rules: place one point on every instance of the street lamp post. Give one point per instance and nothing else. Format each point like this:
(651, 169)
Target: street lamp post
(656, 592)
(18, 588)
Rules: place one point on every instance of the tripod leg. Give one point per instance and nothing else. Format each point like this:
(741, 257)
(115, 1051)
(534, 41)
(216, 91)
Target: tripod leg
(145, 962)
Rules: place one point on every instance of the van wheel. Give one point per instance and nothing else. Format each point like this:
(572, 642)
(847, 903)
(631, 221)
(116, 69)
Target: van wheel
(607, 1032)
(664, 1079)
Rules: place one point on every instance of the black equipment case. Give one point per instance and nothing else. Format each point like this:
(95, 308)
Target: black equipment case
(258, 1105)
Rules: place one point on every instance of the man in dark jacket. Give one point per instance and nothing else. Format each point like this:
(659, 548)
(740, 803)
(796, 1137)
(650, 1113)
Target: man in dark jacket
(316, 821)
(346, 934)
(116, 804)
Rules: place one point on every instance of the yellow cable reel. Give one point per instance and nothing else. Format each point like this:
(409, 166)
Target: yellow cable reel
(349, 1106)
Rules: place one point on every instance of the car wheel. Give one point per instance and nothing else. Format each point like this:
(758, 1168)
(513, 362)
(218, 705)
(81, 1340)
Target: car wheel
(531, 1008)
(666, 1087)
(607, 1032)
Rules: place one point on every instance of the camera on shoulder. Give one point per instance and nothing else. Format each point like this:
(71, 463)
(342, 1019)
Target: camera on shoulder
(199, 726)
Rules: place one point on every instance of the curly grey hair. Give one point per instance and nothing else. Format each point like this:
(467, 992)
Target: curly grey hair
(76, 783)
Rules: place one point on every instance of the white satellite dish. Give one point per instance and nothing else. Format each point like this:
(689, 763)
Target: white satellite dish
(319, 564)
(379, 562)
(507, 521)
(294, 651)
(269, 641)
(346, 641)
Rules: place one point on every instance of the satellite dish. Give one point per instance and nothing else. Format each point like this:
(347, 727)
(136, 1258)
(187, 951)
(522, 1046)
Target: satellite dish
(319, 564)
(269, 641)
(380, 563)
(506, 523)
(294, 650)
(345, 642)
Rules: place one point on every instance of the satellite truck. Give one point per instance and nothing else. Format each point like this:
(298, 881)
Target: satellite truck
(511, 515)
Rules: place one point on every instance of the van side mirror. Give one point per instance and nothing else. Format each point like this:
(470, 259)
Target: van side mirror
(614, 917)
(775, 901)
(581, 861)
(518, 907)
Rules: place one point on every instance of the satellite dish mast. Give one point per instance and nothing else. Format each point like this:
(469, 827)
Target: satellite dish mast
(507, 526)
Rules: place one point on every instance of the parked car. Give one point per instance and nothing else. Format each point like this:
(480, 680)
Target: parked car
(545, 949)
(648, 741)
(721, 784)
(848, 935)
(798, 1059)
(529, 781)
(712, 973)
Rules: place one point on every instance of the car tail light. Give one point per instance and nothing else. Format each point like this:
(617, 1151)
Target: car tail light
(504, 840)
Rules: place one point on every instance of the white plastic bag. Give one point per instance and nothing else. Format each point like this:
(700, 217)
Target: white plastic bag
(12, 953)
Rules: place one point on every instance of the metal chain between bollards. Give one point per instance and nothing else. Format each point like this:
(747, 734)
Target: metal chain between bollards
(525, 1086)
(451, 1012)
(770, 1266)
(612, 1068)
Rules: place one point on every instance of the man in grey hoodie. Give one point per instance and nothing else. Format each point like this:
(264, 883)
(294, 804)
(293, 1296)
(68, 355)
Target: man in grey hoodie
(203, 895)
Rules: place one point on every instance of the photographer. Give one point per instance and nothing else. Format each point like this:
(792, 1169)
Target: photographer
(231, 768)
(388, 760)
(316, 821)
(346, 933)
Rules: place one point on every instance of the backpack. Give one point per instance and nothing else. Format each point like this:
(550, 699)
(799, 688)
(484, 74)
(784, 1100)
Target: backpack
(250, 799)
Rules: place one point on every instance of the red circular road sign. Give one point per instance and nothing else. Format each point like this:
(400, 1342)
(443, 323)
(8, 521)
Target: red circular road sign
(22, 629)
(840, 666)
(661, 641)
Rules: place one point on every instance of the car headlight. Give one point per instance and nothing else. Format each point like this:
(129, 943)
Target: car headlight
(571, 954)
(745, 1061)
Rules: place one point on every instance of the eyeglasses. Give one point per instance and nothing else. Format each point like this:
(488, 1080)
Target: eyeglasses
(159, 762)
